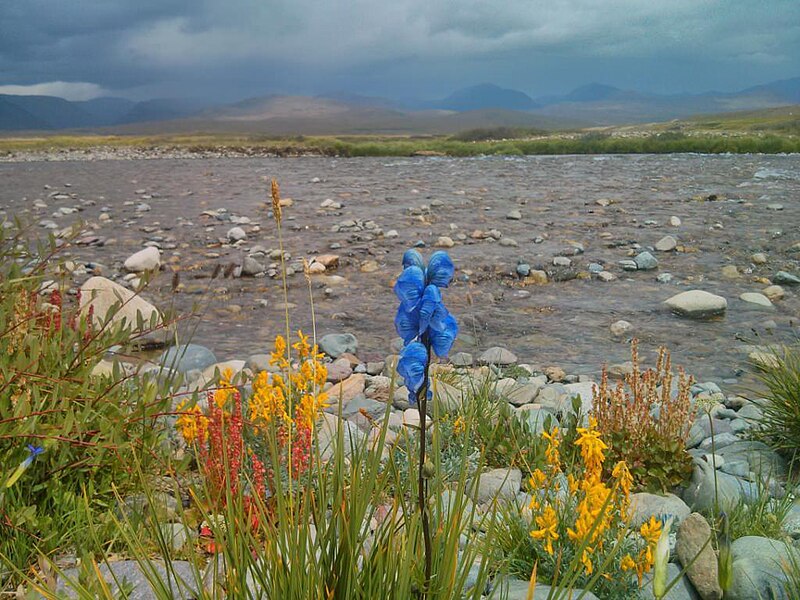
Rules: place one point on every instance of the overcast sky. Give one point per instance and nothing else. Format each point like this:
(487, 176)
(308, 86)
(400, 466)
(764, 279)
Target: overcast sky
(229, 49)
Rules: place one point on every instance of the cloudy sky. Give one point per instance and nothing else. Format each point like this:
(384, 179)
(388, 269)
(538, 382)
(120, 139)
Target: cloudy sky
(229, 49)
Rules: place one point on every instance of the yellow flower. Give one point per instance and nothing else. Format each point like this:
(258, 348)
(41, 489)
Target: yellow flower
(572, 483)
(547, 523)
(224, 391)
(537, 480)
(279, 356)
(592, 448)
(192, 424)
(302, 346)
(651, 531)
(625, 481)
(267, 403)
(551, 453)
(459, 425)
(627, 563)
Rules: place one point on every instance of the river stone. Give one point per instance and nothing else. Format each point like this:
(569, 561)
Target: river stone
(148, 259)
(666, 244)
(444, 242)
(761, 458)
(499, 483)
(107, 297)
(759, 258)
(645, 505)
(791, 524)
(675, 221)
(730, 272)
(774, 292)
(461, 359)
(645, 261)
(187, 357)
(251, 267)
(756, 299)
(236, 234)
(555, 398)
(584, 389)
(707, 486)
(498, 356)
(447, 396)
(620, 328)
(327, 436)
(520, 394)
(696, 553)
(346, 390)
(757, 568)
(336, 344)
(514, 215)
(534, 416)
(339, 370)
(785, 278)
(180, 582)
(682, 590)
(517, 589)
(697, 304)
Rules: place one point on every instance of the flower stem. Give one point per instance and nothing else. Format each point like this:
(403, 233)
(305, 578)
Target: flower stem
(422, 484)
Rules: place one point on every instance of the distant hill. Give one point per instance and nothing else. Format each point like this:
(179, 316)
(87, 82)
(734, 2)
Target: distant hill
(480, 106)
(483, 96)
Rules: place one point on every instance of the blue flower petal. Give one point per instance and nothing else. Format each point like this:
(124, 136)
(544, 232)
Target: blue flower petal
(410, 286)
(431, 300)
(438, 318)
(442, 341)
(407, 323)
(411, 366)
(440, 269)
(412, 258)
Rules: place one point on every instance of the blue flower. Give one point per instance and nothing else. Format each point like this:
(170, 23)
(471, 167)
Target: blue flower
(421, 309)
(411, 367)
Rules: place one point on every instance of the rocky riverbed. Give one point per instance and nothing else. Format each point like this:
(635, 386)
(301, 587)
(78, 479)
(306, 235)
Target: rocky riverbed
(563, 259)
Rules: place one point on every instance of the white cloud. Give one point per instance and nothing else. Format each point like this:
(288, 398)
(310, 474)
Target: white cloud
(69, 90)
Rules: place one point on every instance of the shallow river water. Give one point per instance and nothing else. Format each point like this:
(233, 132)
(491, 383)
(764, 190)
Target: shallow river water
(729, 206)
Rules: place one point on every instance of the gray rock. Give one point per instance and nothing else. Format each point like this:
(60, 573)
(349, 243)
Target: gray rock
(695, 552)
(106, 298)
(782, 277)
(697, 304)
(664, 278)
(756, 299)
(562, 261)
(259, 362)
(180, 583)
(708, 486)
(555, 398)
(761, 458)
(251, 267)
(517, 589)
(758, 570)
(535, 417)
(336, 344)
(236, 234)
(666, 244)
(502, 484)
(148, 259)
(620, 328)
(718, 441)
(682, 590)
(461, 359)
(187, 357)
(645, 261)
(514, 215)
(644, 505)
(523, 269)
(498, 356)
(791, 524)
(628, 265)
(327, 436)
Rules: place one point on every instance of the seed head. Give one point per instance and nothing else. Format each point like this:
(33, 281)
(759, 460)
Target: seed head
(276, 201)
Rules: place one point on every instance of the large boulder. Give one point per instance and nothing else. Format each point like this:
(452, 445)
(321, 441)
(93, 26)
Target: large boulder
(759, 568)
(110, 300)
(697, 304)
(180, 582)
(498, 483)
(187, 357)
(645, 505)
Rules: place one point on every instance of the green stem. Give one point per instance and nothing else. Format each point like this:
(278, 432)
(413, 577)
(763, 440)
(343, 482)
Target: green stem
(422, 484)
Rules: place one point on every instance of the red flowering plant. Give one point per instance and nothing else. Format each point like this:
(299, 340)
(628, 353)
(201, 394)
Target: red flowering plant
(242, 449)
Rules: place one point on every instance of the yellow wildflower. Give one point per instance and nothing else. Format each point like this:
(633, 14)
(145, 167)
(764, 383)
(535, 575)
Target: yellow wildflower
(625, 480)
(627, 563)
(267, 403)
(592, 448)
(224, 391)
(547, 523)
(551, 453)
(572, 482)
(537, 480)
(459, 425)
(192, 424)
(651, 531)
(279, 356)
(302, 346)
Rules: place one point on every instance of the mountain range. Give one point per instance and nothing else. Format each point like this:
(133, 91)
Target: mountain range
(484, 105)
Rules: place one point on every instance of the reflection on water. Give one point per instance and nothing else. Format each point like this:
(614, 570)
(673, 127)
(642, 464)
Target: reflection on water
(754, 206)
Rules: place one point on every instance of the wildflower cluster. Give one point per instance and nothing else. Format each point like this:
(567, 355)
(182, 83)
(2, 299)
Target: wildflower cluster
(577, 512)
(646, 421)
(285, 404)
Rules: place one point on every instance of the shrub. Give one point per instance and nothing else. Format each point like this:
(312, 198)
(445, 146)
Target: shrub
(646, 422)
(575, 530)
(780, 425)
(64, 433)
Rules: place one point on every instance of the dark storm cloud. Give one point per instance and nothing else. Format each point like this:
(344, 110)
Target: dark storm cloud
(236, 47)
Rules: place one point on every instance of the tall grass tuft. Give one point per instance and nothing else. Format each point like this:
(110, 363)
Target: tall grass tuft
(780, 425)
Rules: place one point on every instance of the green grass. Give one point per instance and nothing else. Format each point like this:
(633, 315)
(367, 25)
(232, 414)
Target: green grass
(641, 142)
(780, 424)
